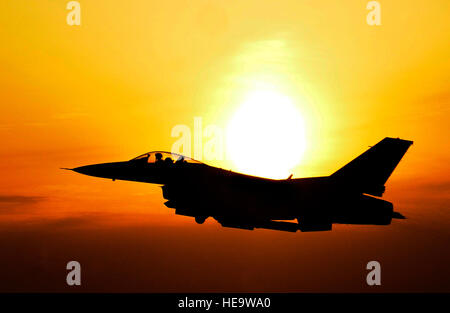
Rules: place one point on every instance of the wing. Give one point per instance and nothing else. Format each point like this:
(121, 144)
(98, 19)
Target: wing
(233, 199)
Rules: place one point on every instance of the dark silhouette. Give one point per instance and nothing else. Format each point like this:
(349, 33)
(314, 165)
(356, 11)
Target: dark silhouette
(242, 201)
(158, 157)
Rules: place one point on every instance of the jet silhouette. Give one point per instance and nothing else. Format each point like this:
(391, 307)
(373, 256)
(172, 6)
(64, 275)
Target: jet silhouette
(192, 188)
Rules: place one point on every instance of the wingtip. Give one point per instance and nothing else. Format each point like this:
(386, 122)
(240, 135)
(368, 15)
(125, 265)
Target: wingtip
(65, 168)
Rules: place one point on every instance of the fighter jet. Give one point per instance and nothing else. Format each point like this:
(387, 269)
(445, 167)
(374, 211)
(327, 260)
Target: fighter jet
(351, 195)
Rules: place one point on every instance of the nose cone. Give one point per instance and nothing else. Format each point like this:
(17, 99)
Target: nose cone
(91, 170)
(104, 170)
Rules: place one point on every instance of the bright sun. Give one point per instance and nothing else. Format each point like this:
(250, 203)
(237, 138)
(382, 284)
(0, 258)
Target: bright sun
(266, 136)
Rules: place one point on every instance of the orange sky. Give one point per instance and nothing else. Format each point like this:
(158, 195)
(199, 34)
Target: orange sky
(115, 86)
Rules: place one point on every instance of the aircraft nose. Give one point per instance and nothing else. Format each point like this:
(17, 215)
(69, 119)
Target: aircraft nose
(104, 170)
(87, 169)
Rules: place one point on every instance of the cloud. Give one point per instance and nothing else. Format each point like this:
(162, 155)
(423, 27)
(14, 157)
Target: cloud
(80, 220)
(441, 187)
(13, 204)
(19, 199)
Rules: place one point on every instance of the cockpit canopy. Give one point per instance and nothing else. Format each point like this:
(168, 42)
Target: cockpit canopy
(158, 156)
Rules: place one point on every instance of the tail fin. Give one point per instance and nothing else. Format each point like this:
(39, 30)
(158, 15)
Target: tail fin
(370, 171)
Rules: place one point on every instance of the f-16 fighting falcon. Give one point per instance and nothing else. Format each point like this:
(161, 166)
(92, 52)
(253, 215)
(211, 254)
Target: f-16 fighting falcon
(351, 195)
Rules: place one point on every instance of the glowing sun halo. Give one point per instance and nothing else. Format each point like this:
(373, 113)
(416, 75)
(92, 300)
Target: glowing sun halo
(266, 135)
